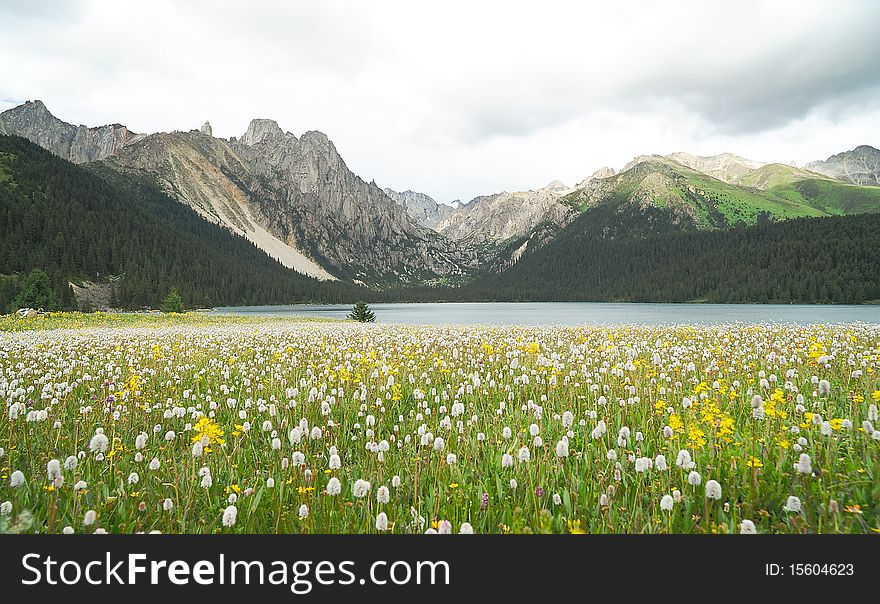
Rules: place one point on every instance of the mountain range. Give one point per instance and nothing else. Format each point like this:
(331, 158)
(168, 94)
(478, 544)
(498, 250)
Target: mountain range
(295, 199)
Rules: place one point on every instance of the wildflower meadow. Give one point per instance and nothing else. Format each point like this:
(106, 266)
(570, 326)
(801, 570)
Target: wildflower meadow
(338, 427)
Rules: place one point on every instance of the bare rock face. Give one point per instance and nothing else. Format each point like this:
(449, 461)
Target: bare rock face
(605, 172)
(206, 129)
(861, 166)
(351, 227)
(421, 208)
(504, 216)
(260, 129)
(78, 144)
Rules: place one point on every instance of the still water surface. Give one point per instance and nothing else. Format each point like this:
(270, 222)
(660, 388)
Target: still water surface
(574, 313)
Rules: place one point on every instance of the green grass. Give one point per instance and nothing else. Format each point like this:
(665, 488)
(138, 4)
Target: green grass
(774, 175)
(714, 203)
(78, 320)
(740, 205)
(831, 197)
(774, 191)
(808, 189)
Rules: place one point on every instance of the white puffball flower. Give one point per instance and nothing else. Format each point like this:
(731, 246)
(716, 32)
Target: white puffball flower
(683, 460)
(713, 490)
(524, 455)
(154, 464)
(383, 495)
(99, 443)
(167, 505)
(197, 449)
(824, 388)
(303, 511)
(5, 508)
(694, 478)
(666, 503)
(335, 462)
(562, 448)
(89, 518)
(334, 487)
(71, 462)
(804, 464)
(557, 499)
(660, 462)
(270, 483)
(53, 470)
(229, 516)
(134, 478)
(792, 504)
(382, 521)
(439, 444)
(506, 460)
(643, 464)
(466, 529)
(747, 527)
(451, 459)
(361, 488)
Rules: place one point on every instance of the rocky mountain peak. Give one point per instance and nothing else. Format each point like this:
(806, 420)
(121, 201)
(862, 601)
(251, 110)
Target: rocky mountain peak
(604, 172)
(861, 166)
(421, 208)
(206, 129)
(315, 136)
(260, 130)
(555, 185)
(32, 120)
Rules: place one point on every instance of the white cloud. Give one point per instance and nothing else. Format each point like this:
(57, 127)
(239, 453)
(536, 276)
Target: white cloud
(464, 98)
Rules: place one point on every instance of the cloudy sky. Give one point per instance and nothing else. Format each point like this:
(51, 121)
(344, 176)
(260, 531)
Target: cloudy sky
(458, 99)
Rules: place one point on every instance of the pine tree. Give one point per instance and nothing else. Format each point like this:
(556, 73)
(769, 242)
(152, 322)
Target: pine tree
(36, 292)
(361, 312)
(172, 302)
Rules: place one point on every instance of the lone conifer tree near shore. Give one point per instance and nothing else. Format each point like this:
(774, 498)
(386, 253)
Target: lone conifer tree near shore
(172, 302)
(361, 312)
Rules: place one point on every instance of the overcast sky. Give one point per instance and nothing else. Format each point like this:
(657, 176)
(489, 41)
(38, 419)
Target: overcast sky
(458, 99)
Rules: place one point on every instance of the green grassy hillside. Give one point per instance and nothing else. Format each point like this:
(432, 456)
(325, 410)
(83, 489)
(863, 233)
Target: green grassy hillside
(810, 189)
(692, 198)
